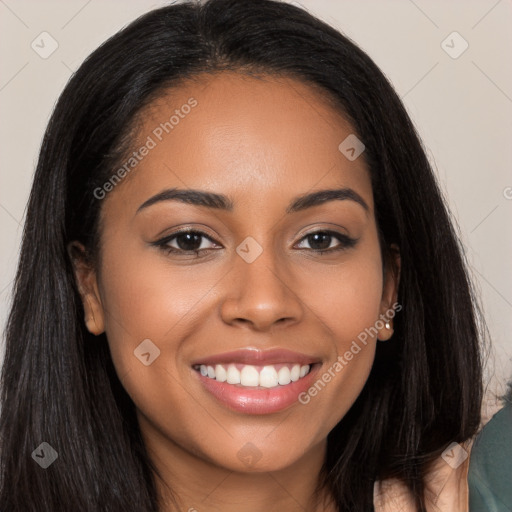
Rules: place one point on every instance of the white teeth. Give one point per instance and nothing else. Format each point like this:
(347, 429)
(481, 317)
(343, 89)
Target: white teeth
(249, 376)
(267, 377)
(295, 373)
(233, 375)
(220, 373)
(284, 376)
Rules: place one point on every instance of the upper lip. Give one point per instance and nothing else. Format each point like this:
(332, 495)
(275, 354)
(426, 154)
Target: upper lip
(254, 356)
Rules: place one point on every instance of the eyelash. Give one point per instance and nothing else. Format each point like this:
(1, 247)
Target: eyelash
(346, 242)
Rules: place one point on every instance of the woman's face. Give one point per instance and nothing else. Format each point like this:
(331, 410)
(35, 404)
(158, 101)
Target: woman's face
(259, 303)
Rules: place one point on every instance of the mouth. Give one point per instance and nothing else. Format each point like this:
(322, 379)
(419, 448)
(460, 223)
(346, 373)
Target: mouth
(257, 382)
(251, 376)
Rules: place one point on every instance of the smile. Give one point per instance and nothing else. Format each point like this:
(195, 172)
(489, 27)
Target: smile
(246, 375)
(253, 381)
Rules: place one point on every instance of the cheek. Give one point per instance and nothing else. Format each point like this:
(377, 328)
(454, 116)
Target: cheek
(147, 298)
(347, 301)
(346, 297)
(149, 302)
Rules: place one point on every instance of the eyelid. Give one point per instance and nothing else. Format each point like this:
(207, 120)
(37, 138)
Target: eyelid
(172, 236)
(345, 241)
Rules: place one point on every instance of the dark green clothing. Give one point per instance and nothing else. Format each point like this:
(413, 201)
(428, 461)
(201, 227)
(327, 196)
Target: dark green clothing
(490, 465)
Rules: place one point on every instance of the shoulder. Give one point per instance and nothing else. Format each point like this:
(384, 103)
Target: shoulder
(490, 470)
(446, 485)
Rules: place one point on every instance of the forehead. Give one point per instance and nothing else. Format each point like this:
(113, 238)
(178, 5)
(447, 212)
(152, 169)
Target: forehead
(258, 139)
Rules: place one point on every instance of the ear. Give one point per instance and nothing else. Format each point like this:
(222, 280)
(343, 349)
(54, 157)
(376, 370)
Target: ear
(389, 292)
(86, 280)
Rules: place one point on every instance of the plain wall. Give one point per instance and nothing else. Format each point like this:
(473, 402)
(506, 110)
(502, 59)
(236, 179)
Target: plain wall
(461, 106)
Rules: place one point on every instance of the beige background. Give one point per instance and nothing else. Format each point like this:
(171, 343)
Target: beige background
(462, 108)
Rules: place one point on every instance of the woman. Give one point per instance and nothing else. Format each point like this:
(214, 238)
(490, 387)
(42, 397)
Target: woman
(239, 286)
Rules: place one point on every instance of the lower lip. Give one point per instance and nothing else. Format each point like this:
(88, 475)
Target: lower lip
(258, 400)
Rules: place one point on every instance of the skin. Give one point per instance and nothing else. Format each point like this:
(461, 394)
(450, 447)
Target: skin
(262, 143)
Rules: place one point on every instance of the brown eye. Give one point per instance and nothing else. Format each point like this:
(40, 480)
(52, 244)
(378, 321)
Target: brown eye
(320, 241)
(189, 241)
(185, 242)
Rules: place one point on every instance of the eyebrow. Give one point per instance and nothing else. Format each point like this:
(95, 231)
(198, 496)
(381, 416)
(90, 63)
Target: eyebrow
(222, 202)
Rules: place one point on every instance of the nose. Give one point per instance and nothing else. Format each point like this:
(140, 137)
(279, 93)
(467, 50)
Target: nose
(261, 294)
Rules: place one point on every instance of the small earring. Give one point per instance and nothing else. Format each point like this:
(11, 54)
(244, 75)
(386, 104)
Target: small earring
(388, 325)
